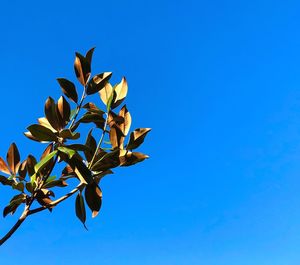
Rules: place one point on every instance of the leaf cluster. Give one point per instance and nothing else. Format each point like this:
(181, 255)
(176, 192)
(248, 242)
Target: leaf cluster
(85, 158)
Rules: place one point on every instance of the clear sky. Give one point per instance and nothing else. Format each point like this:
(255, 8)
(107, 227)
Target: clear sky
(219, 83)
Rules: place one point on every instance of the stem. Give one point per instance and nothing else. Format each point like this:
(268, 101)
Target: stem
(78, 107)
(100, 141)
(56, 202)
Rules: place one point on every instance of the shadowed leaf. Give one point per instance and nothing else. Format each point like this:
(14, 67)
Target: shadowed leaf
(41, 133)
(93, 197)
(51, 114)
(80, 209)
(68, 88)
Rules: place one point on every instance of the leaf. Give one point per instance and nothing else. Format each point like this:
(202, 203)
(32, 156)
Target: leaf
(91, 107)
(78, 147)
(128, 158)
(41, 164)
(106, 93)
(93, 197)
(5, 181)
(68, 134)
(3, 167)
(15, 202)
(82, 68)
(23, 170)
(98, 82)
(63, 111)
(81, 170)
(31, 162)
(41, 133)
(67, 151)
(92, 145)
(13, 158)
(18, 186)
(51, 114)
(125, 126)
(95, 118)
(80, 209)
(55, 183)
(47, 151)
(44, 122)
(68, 88)
(121, 92)
(137, 138)
(89, 55)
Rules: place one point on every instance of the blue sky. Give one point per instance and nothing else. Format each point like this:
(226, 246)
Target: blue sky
(218, 81)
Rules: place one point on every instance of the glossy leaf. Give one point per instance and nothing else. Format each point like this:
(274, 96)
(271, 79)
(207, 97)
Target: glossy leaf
(137, 138)
(93, 198)
(51, 113)
(41, 164)
(80, 209)
(63, 111)
(3, 166)
(41, 133)
(121, 92)
(82, 68)
(13, 158)
(97, 83)
(67, 151)
(68, 88)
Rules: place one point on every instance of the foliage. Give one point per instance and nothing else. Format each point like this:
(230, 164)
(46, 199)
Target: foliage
(85, 160)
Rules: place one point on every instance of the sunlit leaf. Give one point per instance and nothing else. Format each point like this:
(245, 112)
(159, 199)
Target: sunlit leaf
(137, 138)
(121, 92)
(13, 158)
(82, 68)
(3, 166)
(41, 164)
(97, 83)
(67, 151)
(63, 111)
(106, 93)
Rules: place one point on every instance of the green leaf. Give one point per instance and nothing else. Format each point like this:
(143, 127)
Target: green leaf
(44, 161)
(68, 134)
(67, 151)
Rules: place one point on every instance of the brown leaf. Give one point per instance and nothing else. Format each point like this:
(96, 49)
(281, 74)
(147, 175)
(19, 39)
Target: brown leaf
(89, 55)
(91, 144)
(31, 162)
(128, 158)
(93, 197)
(125, 126)
(137, 138)
(3, 166)
(13, 158)
(63, 111)
(68, 88)
(91, 107)
(80, 208)
(51, 114)
(23, 170)
(98, 82)
(82, 68)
